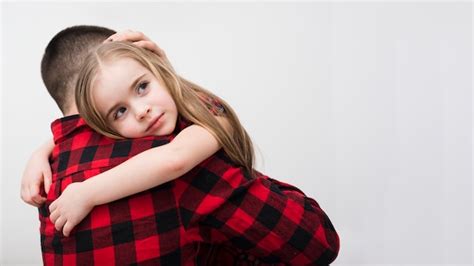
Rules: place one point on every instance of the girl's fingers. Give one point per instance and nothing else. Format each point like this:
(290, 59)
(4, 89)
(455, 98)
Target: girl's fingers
(47, 179)
(60, 223)
(137, 38)
(131, 36)
(150, 46)
(128, 35)
(54, 216)
(52, 207)
(25, 195)
(31, 196)
(38, 199)
(67, 228)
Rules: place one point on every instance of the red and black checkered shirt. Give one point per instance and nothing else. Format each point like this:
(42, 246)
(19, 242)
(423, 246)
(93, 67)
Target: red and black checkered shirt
(215, 203)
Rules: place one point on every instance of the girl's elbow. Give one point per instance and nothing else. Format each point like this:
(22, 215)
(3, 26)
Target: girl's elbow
(176, 165)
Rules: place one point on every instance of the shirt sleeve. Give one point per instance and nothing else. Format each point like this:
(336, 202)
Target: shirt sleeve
(271, 220)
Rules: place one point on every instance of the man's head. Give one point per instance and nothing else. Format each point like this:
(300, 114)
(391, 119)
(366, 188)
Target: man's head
(63, 58)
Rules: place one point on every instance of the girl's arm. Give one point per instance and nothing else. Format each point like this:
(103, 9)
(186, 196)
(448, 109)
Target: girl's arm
(36, 178)
(153, 167)
(146, 170)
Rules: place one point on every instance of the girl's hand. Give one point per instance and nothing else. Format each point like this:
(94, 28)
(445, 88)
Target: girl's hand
(139, 39)
(70, 208)
(36, 179)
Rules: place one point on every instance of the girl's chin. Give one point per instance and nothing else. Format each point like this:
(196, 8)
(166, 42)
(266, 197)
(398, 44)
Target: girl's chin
(165, 130)
(162, 131)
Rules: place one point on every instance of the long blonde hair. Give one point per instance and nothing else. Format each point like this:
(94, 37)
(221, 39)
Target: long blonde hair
(189, 98)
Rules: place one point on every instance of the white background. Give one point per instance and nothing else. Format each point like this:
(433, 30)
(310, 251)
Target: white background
(367, 107)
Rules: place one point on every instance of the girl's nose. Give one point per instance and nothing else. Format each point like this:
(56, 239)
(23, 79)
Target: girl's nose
(143, 112)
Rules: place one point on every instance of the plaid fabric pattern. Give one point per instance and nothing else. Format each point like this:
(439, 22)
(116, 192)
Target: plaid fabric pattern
(225, 255)
(213, 105)
(181, 222)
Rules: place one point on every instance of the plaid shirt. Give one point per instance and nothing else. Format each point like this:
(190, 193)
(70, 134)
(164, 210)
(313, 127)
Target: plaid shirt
(173, 224)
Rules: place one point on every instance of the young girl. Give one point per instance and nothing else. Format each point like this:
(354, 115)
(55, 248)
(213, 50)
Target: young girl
(124, 91)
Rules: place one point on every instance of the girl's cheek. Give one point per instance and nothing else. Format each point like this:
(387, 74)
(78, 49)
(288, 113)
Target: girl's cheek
(130, 130)
(123, 130)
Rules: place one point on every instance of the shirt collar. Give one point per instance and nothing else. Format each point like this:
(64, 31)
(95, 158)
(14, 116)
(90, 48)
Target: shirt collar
(64, 126)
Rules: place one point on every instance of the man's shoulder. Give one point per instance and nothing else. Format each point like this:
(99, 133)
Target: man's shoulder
(84, 149)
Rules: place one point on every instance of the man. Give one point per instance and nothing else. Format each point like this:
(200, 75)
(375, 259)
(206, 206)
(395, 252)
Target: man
(168, 224)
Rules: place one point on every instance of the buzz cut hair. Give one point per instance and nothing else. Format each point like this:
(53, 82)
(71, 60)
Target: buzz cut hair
(63, 58)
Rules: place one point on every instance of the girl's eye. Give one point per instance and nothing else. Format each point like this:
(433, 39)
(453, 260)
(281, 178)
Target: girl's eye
(142, 87)
(119, 113)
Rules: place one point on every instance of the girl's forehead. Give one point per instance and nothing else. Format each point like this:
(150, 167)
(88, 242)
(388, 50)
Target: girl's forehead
(119, 63)
(118, 71)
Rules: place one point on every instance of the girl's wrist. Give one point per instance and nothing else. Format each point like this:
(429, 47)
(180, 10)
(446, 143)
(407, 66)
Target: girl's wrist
(88, 190)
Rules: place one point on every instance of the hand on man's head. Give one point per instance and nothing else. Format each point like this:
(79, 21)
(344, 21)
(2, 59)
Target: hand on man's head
(139, 39)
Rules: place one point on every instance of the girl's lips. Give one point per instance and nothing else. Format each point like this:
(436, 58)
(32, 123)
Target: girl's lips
(155, 123)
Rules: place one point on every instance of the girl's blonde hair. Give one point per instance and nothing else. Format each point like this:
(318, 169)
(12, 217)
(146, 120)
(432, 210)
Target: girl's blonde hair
(190, 99)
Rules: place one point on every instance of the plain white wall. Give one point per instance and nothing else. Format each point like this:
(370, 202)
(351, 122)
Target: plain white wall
(365, 106)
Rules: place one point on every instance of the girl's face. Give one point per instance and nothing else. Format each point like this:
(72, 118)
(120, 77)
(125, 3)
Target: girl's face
(132, 100)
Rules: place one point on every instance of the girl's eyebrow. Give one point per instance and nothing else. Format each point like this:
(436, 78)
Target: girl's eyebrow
(131, 88)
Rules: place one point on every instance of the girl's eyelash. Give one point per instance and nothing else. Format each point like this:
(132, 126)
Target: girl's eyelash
(116, 112)
(142, 85)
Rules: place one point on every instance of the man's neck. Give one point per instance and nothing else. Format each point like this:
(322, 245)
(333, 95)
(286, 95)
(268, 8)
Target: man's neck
(71, 111)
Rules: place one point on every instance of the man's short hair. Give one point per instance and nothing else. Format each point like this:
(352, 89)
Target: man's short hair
(63, 58)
